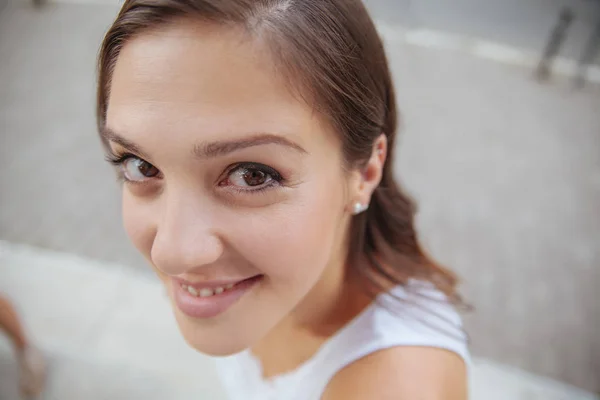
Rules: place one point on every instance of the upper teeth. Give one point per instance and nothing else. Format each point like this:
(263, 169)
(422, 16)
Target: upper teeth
(206, 292)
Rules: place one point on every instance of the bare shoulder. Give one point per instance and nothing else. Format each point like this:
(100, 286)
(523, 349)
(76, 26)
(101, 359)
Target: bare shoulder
(399, 373)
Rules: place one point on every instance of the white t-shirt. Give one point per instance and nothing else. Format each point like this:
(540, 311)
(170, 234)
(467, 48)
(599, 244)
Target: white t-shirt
(417, 316)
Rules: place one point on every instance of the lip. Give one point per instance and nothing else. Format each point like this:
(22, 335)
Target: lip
(210, 307)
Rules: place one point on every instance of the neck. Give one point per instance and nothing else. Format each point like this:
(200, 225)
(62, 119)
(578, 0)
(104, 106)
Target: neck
(335, 300)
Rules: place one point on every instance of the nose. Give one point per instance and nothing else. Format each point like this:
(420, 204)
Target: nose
(185, 238)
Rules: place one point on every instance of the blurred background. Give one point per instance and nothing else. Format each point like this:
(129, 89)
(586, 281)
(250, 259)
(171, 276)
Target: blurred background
(503, 161)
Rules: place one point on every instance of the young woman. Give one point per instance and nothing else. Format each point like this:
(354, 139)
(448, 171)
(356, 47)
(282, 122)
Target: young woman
(254, 139)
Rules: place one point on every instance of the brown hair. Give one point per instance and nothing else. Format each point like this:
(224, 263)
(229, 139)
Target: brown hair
(330, 52)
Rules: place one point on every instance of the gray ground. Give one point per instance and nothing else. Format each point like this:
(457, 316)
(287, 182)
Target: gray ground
(506, 171)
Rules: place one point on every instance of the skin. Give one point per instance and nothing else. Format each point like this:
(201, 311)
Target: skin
(195, 101)
(31, 369)
(11, 325)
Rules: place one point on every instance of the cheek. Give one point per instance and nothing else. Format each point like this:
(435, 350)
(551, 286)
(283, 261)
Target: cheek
(138, 223)
(295, 240)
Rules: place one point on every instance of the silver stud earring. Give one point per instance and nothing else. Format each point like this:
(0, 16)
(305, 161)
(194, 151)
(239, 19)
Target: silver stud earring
(359, 208)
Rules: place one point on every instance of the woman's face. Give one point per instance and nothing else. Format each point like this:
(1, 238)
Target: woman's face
(234, 189)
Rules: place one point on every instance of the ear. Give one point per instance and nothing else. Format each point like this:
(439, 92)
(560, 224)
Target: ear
(369, 177)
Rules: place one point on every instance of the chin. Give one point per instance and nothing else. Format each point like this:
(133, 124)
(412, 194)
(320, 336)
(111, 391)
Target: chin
(221, 348)
(212, 339)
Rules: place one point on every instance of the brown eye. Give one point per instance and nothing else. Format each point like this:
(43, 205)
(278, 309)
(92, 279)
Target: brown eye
(137, 170)
(254, 177)
(147, 169)
(251, 176)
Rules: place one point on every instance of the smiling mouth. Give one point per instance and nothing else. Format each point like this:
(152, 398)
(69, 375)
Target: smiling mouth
(204, 290)
(208, 299)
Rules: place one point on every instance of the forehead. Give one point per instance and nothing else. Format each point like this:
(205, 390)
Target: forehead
(194, 78)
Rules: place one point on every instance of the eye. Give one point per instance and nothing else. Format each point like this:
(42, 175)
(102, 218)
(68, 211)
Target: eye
(252, 176)
(138, 170)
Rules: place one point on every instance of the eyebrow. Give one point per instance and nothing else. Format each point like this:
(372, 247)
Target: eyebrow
(211, 149)
(111, 136)
(224, 147)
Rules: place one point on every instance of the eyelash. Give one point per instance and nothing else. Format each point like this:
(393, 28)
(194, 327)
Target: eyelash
(118, 159)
